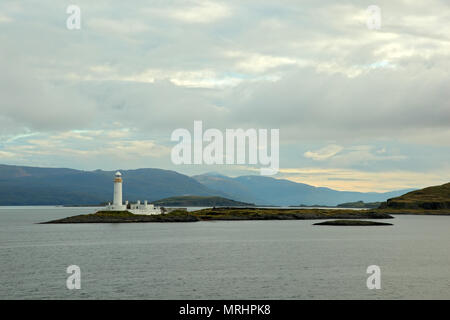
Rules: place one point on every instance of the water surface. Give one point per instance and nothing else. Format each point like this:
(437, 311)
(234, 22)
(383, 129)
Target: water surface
(220, 260)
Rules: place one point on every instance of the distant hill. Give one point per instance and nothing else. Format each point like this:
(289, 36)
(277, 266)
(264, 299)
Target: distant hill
(232, 187)
(360, 204)
(200, 201)
(267, 190)
(21, 185)
(431, 198)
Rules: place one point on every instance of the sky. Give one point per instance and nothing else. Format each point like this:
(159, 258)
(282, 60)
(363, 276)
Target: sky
(357, 108)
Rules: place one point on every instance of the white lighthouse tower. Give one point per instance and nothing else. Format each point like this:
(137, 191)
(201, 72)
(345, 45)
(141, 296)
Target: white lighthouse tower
(117, 201)
(117, 189)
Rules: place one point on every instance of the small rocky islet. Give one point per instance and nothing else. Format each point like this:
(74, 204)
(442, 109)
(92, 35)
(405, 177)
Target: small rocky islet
(352, 223)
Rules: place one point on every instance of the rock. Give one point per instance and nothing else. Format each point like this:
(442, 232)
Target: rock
(352, 223)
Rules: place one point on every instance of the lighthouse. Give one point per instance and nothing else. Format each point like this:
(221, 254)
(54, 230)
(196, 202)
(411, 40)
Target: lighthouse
(138, 208)
(117, 189)
(117, 204)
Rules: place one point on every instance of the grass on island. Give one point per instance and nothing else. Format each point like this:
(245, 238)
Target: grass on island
(408, 211)
(127, 217)
(285, 214)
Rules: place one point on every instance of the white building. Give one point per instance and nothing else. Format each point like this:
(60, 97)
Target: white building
(138, 208)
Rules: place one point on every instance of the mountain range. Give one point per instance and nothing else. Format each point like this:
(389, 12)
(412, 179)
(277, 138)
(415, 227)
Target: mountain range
(267, 190)
(22, 185)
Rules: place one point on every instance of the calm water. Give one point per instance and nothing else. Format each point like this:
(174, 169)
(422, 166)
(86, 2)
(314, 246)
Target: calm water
(220, 260)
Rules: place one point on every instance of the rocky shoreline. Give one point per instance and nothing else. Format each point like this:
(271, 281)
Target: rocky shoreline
(125, 217)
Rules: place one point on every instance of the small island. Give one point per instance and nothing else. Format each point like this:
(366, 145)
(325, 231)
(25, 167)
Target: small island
(360, 205)
(285, 214)
(225, 213)
(200, 201)
(126, 217)
(352, 223)
(346, 205)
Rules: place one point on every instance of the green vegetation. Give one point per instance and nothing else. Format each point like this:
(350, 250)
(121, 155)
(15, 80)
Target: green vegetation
(423, 212)
(352, 223)
(360, 204)
(432, 200)
(200, 201)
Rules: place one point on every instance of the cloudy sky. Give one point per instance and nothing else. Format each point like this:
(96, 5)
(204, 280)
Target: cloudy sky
(357, 108)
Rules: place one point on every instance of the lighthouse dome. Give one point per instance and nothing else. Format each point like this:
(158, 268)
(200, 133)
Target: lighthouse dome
(118, 174)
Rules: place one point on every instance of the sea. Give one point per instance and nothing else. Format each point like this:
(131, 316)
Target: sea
(221, 259)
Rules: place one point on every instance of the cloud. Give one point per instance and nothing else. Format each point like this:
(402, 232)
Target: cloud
(5, 154)
(364, 181)
(324, 153)
(117, 27)
(200, 12)
(5, 19)
(94, 149)
(256, 63)
(33, 103)
(205, 78)
(363, 155)
(377, 104)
